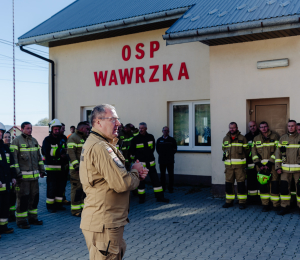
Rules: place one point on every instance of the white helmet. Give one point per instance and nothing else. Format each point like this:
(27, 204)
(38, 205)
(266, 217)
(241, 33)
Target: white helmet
(2, 128)
(54, 122)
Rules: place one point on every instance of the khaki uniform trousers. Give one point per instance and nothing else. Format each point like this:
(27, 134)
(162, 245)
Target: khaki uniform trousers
(273, 186)
(27, 200)
(285, 188)
(238, 174)
(97, 243)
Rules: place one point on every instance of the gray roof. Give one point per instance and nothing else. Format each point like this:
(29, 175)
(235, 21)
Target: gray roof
(83, 13)
(214, 13)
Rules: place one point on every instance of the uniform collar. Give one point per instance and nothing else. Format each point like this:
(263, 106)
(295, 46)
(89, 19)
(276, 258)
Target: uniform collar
(27, 136)
(236, 135)
(111, 141)
(293, 135)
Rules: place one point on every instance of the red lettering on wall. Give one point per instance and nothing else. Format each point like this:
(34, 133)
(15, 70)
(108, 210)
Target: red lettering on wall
(113, 78)
(126, 47)
(125, 76)
(155, 69)
(139, 74)
(140, 51)
(100, 79)
(183, 71)
(154, 46)
(167, 72)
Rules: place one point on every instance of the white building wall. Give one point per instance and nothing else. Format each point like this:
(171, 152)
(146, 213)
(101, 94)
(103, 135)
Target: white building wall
(76, 88)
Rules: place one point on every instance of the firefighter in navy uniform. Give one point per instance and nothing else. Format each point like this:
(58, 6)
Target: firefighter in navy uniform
(235, 151)
(7, 177)
(54, 151)
(252, 183)
(125, 137)
(12, 193)
(142, 149)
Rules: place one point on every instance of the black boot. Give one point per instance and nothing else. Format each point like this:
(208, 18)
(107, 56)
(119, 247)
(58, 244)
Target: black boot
(283, 211)
(227, 205)
(12, 218)
(161, 198)
(266, 208)
(242, 206)
(23, 225)
(36, 222)
(5, 230)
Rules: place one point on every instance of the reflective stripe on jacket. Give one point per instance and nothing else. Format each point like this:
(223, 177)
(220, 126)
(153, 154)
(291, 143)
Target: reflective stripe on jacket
(106, 184)
(236, 150)
(263, 148)
(75, 143)
(27, 156)
(292, 144)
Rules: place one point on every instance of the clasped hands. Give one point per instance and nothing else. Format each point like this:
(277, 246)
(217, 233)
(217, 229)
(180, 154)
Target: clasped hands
(141, 169)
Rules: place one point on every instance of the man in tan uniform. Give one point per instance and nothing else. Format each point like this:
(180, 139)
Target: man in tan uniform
(107, 185)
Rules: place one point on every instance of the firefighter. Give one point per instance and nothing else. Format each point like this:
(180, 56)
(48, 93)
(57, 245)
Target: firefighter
(29, 166)
(65, 165)
(235, 151)
(142, 148)
(54, 152)
(7, 178)
(107, 184)
(252, 183)
(75, 143)
(12, 194)
(127, 134)
(263, 155)
(287, 165)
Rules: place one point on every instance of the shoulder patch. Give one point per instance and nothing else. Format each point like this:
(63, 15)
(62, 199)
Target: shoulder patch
(109, 150)
(258, 142)
(226, 142)
(118, 162)
(23, 145)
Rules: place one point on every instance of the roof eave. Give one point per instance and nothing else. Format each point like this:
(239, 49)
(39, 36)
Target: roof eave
(104, 27)
(234, 30)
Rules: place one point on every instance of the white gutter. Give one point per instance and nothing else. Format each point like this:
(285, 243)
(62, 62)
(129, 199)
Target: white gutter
(234, 27)
(104, 27)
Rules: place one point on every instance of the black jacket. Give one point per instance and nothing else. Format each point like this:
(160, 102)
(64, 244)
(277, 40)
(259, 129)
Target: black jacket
(52, 149)
(166, 148)
(7, 173)
(142, 148)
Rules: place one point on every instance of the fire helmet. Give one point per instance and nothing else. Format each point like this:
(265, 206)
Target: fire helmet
(54, 122)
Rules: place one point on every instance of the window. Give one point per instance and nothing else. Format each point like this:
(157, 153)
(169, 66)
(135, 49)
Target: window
(190, 125)
(86, 113)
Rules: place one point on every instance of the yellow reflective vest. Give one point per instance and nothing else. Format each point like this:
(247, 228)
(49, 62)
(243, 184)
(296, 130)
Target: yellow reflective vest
(291, 163)
(106, 183)
(263, 148)
(235, 151)
(28, 159)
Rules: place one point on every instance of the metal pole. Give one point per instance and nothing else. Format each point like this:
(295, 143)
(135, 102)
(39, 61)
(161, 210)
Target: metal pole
(14, 82)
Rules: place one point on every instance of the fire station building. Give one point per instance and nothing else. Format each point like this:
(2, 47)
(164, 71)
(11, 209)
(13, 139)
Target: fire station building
(193, 65)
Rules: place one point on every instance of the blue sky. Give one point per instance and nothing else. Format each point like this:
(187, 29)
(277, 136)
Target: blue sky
(31, 73)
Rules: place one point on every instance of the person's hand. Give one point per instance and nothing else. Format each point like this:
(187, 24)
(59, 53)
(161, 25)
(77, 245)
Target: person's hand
(14, 181)
(42, 174)
(143, 174)
(279, 171)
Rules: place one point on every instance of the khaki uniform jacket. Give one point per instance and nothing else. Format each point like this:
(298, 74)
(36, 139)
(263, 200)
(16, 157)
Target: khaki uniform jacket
(236, 151)
(292, 144)
(74, 144)
(28, 159)
(106, 184)
(263, 149)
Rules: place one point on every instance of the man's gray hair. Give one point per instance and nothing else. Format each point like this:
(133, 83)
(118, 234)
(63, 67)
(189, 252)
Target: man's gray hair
(99, 111)
(143, 123)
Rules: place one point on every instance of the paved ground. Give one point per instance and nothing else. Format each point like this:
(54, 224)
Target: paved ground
(192, 226)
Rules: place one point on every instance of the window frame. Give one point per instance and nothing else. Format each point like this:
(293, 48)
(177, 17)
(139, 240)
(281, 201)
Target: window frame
(191, 104)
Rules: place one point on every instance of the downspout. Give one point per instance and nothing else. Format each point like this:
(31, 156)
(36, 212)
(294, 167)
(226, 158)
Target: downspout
(52, 76)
